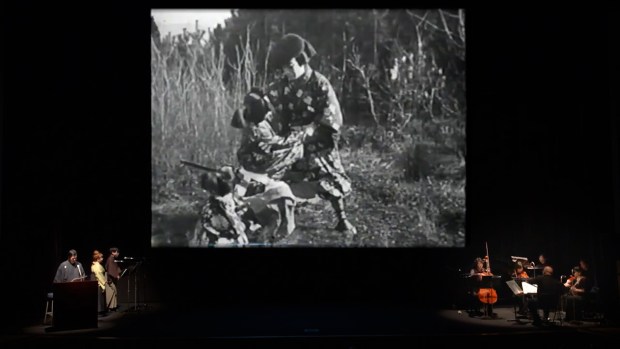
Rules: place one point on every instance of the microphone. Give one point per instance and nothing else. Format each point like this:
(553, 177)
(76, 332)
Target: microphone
(81, 277)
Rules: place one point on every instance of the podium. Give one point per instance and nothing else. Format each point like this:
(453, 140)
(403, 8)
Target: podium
(75, 304)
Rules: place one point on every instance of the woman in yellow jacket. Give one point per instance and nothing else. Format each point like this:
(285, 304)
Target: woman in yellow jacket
(98, 274)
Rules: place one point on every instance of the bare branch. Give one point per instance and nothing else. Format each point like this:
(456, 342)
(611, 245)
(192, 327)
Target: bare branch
(422, 19)
(335, 68)
(366, 86)
(462, 25)
(432, 99)
(445, 29)
(445, 25)
(453, 15)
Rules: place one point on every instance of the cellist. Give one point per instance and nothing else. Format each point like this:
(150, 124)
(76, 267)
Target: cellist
(480, 269)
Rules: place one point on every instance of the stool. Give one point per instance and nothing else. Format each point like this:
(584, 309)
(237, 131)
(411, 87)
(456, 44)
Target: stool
(49, 307)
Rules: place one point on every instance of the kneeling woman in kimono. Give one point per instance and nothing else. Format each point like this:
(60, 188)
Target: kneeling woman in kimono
(264, 157)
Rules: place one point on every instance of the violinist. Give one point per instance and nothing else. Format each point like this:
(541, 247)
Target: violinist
(581, 283)
(587, 271)
(584, 267)
(577, 291)
(520, 274)
(570, 280)
(519, 271)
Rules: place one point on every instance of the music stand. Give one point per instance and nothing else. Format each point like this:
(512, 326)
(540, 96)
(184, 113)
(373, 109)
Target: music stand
(533, 269)
(134, 270)
(515, 259)
(518, 294)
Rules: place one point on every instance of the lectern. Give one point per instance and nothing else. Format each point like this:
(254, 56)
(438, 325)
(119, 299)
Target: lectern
(75, 305)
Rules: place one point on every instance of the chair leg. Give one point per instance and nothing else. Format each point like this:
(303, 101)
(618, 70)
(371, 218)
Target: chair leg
(49, 310)
(47, 305)
(561, 310)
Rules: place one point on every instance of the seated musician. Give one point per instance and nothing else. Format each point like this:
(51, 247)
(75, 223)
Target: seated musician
(577, 290)
(478, 269)
(585, 266)
(548, 295)
(519, 273)
(476, 273)
(543, 261)
(587, 271)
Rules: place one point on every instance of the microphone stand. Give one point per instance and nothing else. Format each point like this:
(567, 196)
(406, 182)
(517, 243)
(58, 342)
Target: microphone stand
(135, 290)
(135, 268)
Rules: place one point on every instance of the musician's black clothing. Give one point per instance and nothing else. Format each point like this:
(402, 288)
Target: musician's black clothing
(548, 295)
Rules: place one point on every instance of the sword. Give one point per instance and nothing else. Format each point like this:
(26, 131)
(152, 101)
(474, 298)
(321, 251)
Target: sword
(201, 167)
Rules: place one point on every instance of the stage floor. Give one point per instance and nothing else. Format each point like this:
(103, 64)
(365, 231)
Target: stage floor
(374, 326)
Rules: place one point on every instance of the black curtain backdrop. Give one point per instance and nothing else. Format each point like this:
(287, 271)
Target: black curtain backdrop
(542, 166)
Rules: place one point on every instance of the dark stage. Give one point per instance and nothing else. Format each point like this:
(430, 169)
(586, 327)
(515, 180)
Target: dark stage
(301, 326)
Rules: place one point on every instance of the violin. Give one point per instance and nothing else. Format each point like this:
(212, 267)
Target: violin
(570, 281)
(521, 275)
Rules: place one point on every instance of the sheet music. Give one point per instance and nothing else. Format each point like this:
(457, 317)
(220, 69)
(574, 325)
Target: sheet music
(514, 287)
(529, 288)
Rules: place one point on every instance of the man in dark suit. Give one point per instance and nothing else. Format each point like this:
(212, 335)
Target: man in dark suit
(548, 294)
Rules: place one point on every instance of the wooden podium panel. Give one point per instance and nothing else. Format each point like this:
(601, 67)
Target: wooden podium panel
(75, 304)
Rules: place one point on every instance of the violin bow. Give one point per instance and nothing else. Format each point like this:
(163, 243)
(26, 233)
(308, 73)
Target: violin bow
(488, 257)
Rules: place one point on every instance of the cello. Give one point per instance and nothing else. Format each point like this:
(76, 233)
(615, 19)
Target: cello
(487, 295)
